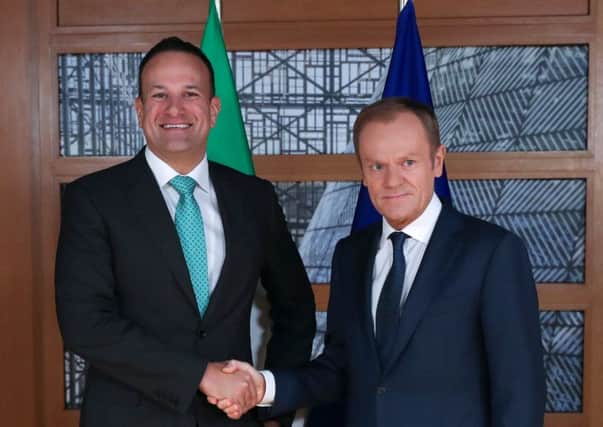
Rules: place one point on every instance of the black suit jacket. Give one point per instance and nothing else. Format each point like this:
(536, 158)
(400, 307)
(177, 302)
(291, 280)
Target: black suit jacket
(468, 351)
(125, 301)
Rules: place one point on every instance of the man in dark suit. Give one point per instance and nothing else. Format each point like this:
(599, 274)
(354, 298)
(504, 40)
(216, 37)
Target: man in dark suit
(433, 315)
(159, 259)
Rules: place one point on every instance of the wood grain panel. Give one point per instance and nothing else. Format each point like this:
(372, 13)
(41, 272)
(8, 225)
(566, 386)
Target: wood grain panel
(497, 8)
(19, 368)
(238, 36)
(77, 13)
(505, 31)
(115, 12)
(344, 167)
(330, 34)
(307, 10)
(565, 420)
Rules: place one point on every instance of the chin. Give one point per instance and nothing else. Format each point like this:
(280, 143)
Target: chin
(181, 147)
(404, 218)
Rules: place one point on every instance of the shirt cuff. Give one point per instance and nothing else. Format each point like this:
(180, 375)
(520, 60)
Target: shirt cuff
(270, 391)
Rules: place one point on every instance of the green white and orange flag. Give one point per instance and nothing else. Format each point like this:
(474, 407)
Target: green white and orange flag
(227, 142)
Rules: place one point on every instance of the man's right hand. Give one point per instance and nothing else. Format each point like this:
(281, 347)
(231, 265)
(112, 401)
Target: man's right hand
(232, 386)
(230, 406)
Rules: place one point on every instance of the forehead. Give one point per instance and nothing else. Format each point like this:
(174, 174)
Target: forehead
(405, 131)
(175, 66)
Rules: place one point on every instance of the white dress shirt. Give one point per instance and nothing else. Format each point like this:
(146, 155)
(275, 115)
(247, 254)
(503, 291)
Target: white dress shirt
(208, 203)
(419, 232)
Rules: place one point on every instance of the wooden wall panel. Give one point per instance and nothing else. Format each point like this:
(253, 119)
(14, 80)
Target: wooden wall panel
(18, 371)
(497, 8)
(128, 12)
(307, 10)
(78, 13)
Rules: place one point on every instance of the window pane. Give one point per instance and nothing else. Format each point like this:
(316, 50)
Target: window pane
(549, 214)
(526, 98)
(305, 101)
(96, 95)
(75, 380)
(326, 220)
(563, 343)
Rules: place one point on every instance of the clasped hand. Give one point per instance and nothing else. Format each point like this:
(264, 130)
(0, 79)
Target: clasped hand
(234, 387)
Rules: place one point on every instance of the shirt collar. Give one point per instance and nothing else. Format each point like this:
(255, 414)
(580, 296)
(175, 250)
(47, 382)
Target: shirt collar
(421, 228)
(164, 173)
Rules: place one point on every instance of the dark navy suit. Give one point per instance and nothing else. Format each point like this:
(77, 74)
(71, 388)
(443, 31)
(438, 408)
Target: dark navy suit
(468, 350)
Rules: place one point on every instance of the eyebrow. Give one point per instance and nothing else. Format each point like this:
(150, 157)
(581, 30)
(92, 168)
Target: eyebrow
(190, 86)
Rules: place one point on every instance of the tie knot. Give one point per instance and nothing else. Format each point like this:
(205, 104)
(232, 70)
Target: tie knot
(398, 238)
(183, 184)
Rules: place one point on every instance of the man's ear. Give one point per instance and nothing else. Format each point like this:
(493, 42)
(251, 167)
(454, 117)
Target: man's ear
(438, 160)
(138, 106)
(215, 105)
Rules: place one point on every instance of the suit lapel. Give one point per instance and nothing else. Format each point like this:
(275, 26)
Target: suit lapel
(149, 205)
(228, 209)
(366, 260)
(440, 255)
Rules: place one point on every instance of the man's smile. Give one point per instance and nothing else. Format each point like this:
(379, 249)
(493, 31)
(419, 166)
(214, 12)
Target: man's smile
(175, 125)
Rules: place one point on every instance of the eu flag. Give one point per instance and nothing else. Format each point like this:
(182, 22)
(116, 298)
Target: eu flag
(407, 76)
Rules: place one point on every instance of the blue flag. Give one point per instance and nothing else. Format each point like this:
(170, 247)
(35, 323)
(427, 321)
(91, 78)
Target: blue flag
(407, 76)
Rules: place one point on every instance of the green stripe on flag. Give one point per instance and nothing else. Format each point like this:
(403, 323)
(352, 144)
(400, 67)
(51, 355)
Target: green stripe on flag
(227, 141)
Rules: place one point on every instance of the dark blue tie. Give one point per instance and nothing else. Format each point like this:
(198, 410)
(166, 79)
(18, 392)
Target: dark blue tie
(387, 317)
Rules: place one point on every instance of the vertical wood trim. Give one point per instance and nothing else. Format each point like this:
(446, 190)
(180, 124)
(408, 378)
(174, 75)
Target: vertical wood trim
(593, 363)
(18, 369)
(52, 377)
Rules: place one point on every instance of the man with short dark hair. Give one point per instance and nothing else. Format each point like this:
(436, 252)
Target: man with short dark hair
(433, 315)
(159, 259)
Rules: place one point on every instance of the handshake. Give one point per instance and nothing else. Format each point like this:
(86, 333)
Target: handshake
(235, 387)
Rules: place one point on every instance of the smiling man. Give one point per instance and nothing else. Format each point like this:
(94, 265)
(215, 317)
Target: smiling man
(159, 259)
(433, 315)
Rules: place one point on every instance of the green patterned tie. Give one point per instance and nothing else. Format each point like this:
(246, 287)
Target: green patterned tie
(189, 224)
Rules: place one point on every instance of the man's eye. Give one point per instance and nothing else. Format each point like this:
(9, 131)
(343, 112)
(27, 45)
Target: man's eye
(376, 167)
(191, 94)
(409, 162)
(158, 96)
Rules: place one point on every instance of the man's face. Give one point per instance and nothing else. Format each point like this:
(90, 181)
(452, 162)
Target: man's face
(399, 167)
(176, 109)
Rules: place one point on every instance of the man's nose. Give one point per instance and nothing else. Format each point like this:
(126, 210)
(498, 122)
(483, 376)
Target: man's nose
(393, 177)
(174, 105)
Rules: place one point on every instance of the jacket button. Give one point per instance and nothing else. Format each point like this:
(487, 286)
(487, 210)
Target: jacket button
(202, 333)
(381, 390)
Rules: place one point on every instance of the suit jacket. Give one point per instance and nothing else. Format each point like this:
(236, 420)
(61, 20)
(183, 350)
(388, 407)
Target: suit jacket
(468, 350)
(125, 302)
